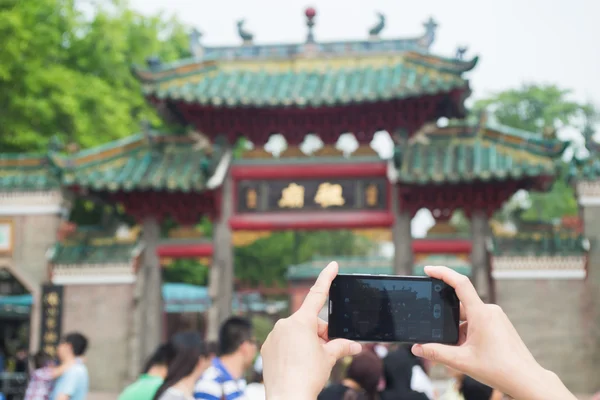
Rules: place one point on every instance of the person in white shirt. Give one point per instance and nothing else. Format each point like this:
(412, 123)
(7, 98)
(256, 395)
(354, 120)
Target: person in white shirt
(256, 390)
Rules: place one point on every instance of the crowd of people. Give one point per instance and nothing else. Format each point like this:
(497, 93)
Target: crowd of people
(490, 362)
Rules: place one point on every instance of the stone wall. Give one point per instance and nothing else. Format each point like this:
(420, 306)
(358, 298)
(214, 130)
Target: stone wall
(591, 225)
(34, 235)
(103, 313)
(553, 318)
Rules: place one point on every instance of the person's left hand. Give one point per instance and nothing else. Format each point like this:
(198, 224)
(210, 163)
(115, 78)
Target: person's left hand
(297, 355)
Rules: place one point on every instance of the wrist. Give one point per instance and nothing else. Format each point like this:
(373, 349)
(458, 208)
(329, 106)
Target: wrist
(539, 384)
(289, 393)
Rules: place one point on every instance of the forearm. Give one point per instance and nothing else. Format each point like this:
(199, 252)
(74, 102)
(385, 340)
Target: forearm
(539, 384)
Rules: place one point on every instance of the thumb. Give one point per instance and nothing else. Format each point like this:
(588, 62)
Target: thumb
(448, 355)
(340, 348)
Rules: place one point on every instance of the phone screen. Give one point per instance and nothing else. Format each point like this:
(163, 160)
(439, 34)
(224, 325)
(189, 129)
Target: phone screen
(376, 308)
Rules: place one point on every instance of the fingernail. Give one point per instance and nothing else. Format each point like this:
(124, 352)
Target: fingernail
(417, 350)
(355, 348)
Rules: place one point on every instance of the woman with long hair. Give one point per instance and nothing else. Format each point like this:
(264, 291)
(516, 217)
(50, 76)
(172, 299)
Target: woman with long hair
(189, 363)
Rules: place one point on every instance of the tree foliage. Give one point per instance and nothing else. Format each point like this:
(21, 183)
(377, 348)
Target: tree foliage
(186, 271)
(534, 108)
(68, 73)
(266, 260)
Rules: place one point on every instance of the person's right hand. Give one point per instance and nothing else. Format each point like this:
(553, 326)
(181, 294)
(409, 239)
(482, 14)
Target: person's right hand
(489, 349)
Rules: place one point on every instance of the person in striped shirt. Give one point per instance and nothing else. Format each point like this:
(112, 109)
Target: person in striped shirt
(224, 379)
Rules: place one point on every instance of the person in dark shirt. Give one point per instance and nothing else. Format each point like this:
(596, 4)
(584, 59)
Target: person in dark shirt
(398, 369)
(474, 390)
(362, 379)
(21, 361)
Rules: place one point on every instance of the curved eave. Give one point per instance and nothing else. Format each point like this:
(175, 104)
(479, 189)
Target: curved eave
(219, 102)
(552, 148)
(442, 64)
(97, 182)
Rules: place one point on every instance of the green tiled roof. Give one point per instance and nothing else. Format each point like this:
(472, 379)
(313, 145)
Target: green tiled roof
(370, 265)
(587, 169)
(307, 83)
(541, 244)
(136, 163)
(27, 172)
(93, 254)
(471, 152)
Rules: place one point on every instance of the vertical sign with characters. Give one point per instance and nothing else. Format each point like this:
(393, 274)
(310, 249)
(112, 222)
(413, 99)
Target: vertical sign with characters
(52, 306)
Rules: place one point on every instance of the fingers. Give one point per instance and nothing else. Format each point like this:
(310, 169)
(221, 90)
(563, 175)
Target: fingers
(340, 348)
(448, 355)
(315, 300)
(463, 313)
(463, 329)
(464, 288)
(322, 329)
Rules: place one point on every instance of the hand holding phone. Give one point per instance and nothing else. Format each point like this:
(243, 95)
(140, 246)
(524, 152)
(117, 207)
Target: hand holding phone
(489, 348)
(384, 308)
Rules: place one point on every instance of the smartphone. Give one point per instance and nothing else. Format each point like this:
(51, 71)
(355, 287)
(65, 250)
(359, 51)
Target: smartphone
(386, 308)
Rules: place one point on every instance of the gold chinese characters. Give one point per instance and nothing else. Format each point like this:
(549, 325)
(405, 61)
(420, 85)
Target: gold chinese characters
(52, 299)
(292, 196)
(372, 195)
(251, 197)
(51, 323)
(329, 195)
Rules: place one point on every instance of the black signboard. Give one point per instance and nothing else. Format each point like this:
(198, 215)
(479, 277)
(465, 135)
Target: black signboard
(312, 195)
(52, 307)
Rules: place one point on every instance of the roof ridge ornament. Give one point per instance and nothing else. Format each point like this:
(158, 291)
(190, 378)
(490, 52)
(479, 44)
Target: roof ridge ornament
(201, 141)
(245, 35)
(377, 28)
(460, 52)
(310, 23)
(196, 48)
(430, 28)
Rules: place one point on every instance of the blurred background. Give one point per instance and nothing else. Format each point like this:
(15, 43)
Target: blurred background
(146, 148)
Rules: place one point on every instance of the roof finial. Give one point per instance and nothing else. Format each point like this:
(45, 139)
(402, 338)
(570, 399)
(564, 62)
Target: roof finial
(310, 22)
(430, 28)
(55, 145)
(195, 46)
(244, 34)
(460, 52)
(153, 62)
(376, 30)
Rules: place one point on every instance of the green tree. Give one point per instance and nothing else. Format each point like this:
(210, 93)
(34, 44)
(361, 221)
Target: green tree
(186, 271)
(68, 74)
(535, 108)
(266, 260)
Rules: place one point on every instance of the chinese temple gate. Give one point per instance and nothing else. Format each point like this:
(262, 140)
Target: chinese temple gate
(327, 89)
(253, 91)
